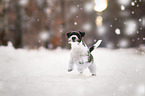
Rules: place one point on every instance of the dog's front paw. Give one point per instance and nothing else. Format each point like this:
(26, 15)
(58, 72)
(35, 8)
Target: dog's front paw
(69, 70)
(93, 74)
(81, 62)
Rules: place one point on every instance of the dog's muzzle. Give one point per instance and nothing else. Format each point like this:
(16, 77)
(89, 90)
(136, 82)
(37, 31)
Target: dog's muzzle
(73, 39)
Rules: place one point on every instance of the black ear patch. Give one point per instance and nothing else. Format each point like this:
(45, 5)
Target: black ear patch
(82, 33)
(68, 34)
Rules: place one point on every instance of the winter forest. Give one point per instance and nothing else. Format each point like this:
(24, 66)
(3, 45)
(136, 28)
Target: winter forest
(36, 23)
(34, 49)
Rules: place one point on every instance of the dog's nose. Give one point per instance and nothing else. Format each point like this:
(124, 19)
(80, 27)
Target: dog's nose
(73, 38)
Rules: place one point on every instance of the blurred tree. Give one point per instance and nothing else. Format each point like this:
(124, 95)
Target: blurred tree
(3, 22)
(38, 21)
(124, 18)
(63, 25)
(18, 42)
(35, 23)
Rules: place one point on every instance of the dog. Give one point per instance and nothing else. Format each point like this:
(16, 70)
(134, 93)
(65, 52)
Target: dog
(80, 54)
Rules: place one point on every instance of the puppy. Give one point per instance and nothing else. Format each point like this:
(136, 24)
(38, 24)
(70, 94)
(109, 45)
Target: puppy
(80, 54)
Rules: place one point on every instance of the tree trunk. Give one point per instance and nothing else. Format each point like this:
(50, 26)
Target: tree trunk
(3, 23)
(18, 43)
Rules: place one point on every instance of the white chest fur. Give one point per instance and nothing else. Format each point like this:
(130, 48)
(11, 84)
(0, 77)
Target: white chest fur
(79, 52)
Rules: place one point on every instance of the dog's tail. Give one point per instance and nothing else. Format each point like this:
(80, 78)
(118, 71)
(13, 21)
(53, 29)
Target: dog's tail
(95, 45)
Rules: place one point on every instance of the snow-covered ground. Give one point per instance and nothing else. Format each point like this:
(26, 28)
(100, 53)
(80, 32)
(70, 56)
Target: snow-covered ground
(42, 72)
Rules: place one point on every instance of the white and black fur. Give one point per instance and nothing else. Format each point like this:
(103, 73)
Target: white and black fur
(80, 54)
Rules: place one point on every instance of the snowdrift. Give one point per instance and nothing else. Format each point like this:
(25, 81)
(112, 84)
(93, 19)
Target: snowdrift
(44, 73)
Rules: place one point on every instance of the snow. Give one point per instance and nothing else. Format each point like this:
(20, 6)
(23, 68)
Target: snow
(123, 43)
(124, 2)
(101, 30)
(38, 20)
(73, 9)
(141, 89)
(75, 23)
(44, 35)
(111, 25)
(132, 3)
(139, 20)
(117, 31)
(23, 2)
(110, 45)
(132, 12)
(122, 7)
(88, 7)
(87, 26)
(43, 72)
(137, 5)
(130, 27)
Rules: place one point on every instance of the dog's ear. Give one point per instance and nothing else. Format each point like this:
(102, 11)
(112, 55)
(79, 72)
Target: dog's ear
(68, 34)
(82, 33)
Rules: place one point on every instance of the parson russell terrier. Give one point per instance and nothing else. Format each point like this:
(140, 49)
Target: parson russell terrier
(80, 54)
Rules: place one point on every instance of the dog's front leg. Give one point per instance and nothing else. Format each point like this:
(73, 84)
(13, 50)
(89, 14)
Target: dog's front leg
(70, 66)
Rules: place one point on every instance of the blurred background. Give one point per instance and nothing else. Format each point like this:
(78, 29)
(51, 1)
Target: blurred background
(36, 23)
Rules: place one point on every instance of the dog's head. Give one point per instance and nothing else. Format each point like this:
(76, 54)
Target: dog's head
(75, 36)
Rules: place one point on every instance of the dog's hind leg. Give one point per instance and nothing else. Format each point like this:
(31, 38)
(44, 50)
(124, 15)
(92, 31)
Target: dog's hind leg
(92, 69)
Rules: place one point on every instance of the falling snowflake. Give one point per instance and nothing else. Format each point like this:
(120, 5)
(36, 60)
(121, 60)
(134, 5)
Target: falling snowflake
(123, 43)
(122, 7)
(75, 23)
(110, 45)
(132, 12)
(44, 35)
(111, 25)
(130, 27)
(88, 7)
(78, 6)
(23, 2)
(132, 3)
(124, 2)
(87, 27)
(117, 31)
(73, 9)
(141, 28)
(101, 30)
(139, 20)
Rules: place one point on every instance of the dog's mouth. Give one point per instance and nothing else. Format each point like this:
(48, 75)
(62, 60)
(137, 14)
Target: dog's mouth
(69, 41)
(73, 40)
